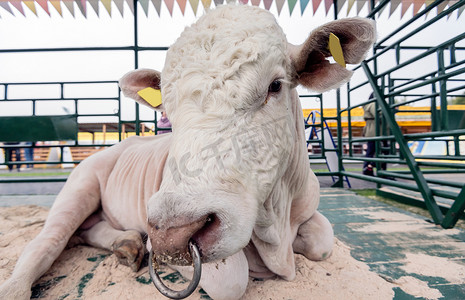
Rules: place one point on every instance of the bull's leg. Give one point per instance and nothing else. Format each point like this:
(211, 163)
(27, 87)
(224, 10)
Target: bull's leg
(315, 238)
(78, 199)
(127, 245)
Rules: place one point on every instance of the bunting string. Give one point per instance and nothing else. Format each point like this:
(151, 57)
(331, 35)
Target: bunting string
(18, 7)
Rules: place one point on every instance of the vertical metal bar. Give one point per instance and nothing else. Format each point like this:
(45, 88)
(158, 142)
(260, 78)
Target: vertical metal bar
(434, 111)
(456, 145)
(62, 93)
(453, 59)
(155, 118)
(377, 133)
(405, 151)
(136, 62)
(398, 53)
(119, 114)
(442, 91)
(322, 128)
(349, 122)
(391, 84)
(340, 182)
(335, 9)
(77, 115)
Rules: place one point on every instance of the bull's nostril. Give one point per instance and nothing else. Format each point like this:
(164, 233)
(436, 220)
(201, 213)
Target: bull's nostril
(208, 235)
(210, 219)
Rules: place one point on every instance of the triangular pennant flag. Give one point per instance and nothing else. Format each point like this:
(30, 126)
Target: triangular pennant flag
(328, 4)
(340, 4)
(6, 7)
(169, 4)
(207, 3)
(460, 11)
(267, 4)
(157, 5)
(405, 6)
(279, 5)
(360, 4)
(417, 4)
(131, 5)
(145, 6)
(244, 1)
(31, 6)
(218, 2)
(69, 5)
(182, 5)
(303, 6)
(82, 7)
(441, 6)
(316, 4)
(429, 2)
(57, 5)
(120, 5)
(451, 2)
(18, 6)
(44, 5)
(291, 4)
(94, 4)
(384, 7)
(349, 5)
(194, 5)
(255, 2)
(107, 5)
(394, 5)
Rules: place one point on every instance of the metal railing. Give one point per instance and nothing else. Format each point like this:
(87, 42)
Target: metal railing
(443, 81)
(71, 105)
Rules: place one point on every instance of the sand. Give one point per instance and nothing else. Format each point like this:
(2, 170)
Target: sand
(88, 273)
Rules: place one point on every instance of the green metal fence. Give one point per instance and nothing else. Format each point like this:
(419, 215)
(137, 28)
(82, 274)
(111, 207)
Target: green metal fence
(59, 130)
(445, 199)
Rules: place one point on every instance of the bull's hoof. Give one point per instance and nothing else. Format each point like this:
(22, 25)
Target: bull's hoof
(129, 249)
(74, 241)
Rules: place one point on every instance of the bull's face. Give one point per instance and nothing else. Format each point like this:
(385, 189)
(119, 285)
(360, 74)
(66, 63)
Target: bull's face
(227, 87)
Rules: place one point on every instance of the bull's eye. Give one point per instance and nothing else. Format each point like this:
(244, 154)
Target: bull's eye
(275, 86)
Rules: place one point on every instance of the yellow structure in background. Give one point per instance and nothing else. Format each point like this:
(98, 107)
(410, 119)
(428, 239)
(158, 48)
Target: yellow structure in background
(404, 119)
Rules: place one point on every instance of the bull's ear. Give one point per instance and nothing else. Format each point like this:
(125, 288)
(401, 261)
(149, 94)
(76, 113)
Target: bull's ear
(136, 81)
(314, 71)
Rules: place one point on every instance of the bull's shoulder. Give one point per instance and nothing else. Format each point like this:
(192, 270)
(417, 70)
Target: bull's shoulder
(103, 162)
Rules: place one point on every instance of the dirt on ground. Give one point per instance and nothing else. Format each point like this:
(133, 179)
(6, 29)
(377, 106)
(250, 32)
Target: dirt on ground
(88, 273)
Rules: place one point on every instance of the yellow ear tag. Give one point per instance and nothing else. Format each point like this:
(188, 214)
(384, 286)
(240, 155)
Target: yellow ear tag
(151, 95)
(336, 49)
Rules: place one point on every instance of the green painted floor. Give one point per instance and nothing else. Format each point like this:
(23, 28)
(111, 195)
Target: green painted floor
(397, 244)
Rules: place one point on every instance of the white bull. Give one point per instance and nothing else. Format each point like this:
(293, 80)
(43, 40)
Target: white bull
(233, 177)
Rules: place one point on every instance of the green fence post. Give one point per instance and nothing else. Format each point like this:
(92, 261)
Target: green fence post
(425, 191)
(442, 91)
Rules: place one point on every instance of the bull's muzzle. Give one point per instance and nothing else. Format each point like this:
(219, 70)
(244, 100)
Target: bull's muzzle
(167, 292)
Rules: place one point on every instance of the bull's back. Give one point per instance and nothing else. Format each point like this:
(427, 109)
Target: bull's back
(135, 177)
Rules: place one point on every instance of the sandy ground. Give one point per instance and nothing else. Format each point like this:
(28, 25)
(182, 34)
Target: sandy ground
(88, 273)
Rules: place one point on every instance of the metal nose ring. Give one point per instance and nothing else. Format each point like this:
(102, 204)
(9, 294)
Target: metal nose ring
(166, 291)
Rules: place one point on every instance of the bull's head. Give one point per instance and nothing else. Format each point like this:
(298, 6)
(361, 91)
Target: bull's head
(228, 87)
